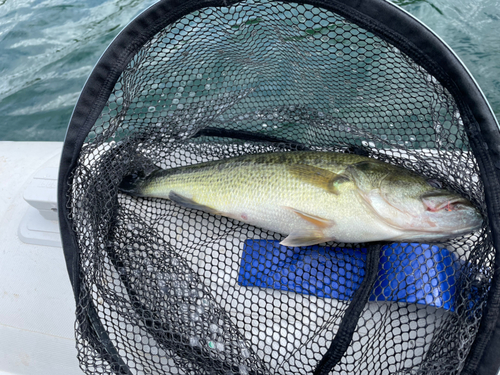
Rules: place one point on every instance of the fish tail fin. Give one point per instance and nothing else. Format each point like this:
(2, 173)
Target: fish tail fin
(131, 184)
(141, 168)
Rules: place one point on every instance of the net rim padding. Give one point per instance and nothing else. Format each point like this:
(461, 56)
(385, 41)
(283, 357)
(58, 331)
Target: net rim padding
(380, 17)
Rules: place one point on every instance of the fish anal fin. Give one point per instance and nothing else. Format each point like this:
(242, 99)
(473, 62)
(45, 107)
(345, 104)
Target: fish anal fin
(317, 221)
(305, 239)
(318, 177)
(190, 203)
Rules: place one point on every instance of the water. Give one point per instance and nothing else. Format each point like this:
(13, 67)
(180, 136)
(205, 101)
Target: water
(48, 49)
(471, 29)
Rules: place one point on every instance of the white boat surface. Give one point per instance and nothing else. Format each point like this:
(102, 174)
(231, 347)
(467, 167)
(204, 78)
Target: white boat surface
(37, 307)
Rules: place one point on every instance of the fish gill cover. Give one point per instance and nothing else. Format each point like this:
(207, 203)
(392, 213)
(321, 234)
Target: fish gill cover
(162, 288)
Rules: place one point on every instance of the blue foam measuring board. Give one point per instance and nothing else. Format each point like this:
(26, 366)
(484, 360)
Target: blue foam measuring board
(412, 273)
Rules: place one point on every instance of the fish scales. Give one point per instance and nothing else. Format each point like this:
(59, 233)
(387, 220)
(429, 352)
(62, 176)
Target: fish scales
(312, 197)
(262, 190)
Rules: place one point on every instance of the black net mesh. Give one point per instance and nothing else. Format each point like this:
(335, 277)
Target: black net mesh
(171, 290)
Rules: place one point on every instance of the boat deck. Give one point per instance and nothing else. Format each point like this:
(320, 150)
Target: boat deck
(36, 301)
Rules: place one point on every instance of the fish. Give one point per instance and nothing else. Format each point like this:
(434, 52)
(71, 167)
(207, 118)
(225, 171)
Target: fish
(313, 197)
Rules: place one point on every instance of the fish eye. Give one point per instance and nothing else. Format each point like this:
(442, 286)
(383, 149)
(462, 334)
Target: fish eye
(435, 183)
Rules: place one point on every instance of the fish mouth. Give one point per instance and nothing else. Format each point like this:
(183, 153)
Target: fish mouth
(444, 216)
(443, 231)
(444, 200)
(451, 214)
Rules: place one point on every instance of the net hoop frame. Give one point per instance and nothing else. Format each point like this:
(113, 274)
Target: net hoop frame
(380, 17)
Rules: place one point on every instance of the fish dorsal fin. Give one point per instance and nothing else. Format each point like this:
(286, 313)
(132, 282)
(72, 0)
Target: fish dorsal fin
(318, 177)
(310, 234)
(189, 203)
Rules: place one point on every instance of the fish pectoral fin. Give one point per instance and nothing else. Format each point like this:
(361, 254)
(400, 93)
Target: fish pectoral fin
(317, 221)
(305, 238)
(189, 203)
(311, 234)
(318, 177)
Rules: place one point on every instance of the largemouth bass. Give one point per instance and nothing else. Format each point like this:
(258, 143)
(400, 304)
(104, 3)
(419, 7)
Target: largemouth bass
(315, 197)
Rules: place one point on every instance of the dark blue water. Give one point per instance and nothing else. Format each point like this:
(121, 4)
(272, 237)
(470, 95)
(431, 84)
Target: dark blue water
(48, 49)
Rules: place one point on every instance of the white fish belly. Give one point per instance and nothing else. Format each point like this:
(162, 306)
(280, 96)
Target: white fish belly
(349, 218)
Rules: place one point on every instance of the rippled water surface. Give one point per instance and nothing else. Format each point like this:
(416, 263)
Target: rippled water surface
(48, 49)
